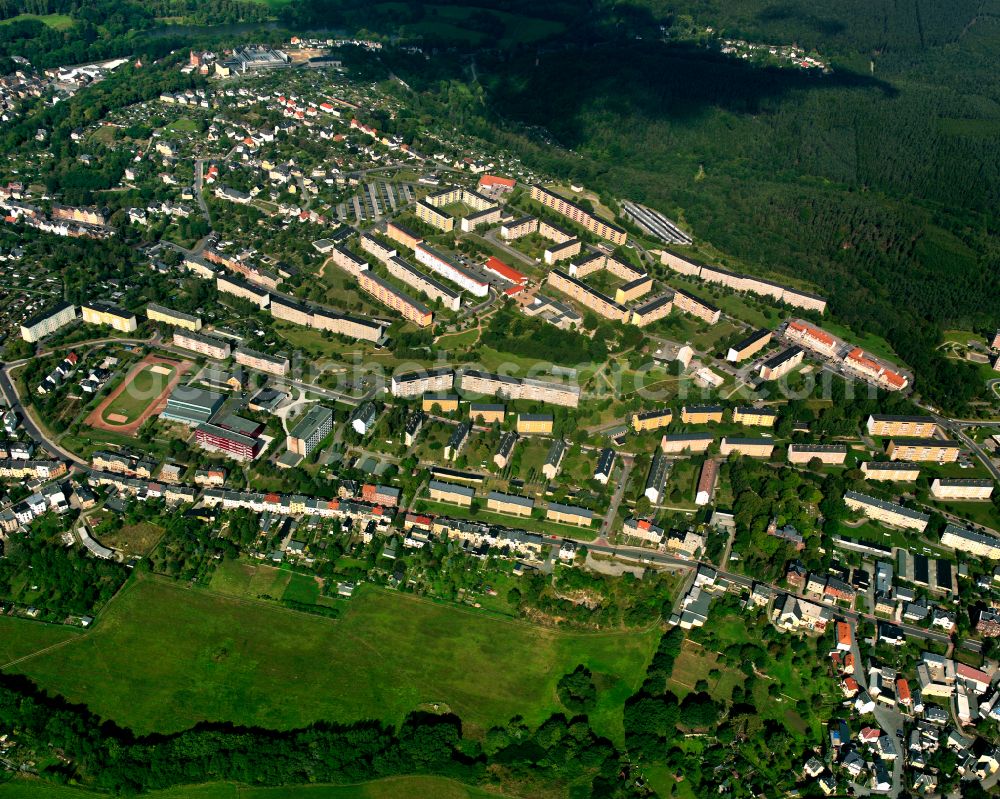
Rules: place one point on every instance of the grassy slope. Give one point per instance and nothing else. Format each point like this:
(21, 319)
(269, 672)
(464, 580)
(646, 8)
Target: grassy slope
(20, 637)
(59, 22)
(393, 788)
(188, 655)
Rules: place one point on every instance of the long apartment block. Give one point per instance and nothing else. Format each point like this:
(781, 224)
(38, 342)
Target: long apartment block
(917, 426)
(449, 269)
(697, 308)
(209, 346)
(490, 385)
(300, 313)
(569, 209)
(923, 449)
(599, 303)
(424, 381)
(399, 301)
(407, 273)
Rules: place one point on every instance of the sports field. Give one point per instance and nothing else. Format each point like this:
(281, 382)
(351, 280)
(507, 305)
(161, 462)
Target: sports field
(162, 657)
(140, 390)
(391, 788)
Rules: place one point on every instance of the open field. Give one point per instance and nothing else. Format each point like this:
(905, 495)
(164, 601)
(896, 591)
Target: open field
(189, 655)
(134, 539)
(22, 637)
(59, 22)
(390, 788)
(142, 393)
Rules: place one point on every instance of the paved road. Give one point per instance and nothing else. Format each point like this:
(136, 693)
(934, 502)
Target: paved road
(28, 423)
(616, 498)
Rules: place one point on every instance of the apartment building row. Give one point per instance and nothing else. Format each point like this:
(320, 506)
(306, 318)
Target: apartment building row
(828, 454)
(569, 209)
(424, 381)
(923, 450)
(696, 307)
(881, 375)
(20, 469)
(856, 360)
(406, 273)
(590, 298)
(885, 512)
(749, 346)
(208, 346)
(401, 302)
(109, 315)
(450, 270)
(962, 488)
(320, 318)
(745, 283)
(891, 471)
(48, 322)
(519, 228)
(402, 235)
(143, 489)
(159, 313)
(297, 505)
(257, 275)
(909, 426)
(484, 538)
(562, 251)
(272, 364)
(972, 542)
(513, 388)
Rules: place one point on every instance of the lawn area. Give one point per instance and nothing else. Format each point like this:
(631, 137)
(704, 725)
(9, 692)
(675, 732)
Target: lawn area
(248, 581)
(134, 539)
(162, 657)
(143, 388)
(21, 637)
(416, 787)
(458, 341)
(182, 125)
(59, 22)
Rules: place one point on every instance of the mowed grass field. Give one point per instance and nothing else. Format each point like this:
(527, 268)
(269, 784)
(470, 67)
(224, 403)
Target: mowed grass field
(59, 22)
(21, 637)
(392, 788)
(162, 657)
(142, 389)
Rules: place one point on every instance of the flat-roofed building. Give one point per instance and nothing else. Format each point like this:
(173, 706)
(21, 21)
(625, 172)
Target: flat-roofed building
(373, 246)
(510, 504)
(436, 290)
(961, 488)
(779, 365)
(348, 261)
(751, 447)
(971, 542)
(272, 364)
(923, 449)
(652, 310)
(518, 228)
(830, 454)
(562, 251)
(191, 405)
(450, 493)
(505, 449)
(513, 388)
(48, 322)
(401, 302)
(599, 303)
(569, 514)
(229, 284)
(886, 512)
(402, 235)
(700, 309)
(423, 381)
(488, 216)
(706, 482)
(633, 289)
(569, 209)
(109, 315)
(755, 417)
(890, 471)
(656, 477)
(652, 420)
(749, 346)
(912, 426)
(487, 412)
(701, 414)
(310, 430)
(435, 217)
(209, 346)
(534, 424)
(158, 313)
(676, 443)
(234, 444)
(450, 269)
(439, 403)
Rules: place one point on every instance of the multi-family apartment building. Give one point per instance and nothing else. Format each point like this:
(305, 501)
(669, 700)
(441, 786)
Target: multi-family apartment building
(158, 313)
(890, 471)
(569, 514)
(870, 369)
(456, 443)
(373, 246)
(48, 322)
(652, 310)
(779, 365)
(257, 275)
(272, 364)
(19, 469)
(554, 459)
(509, 504)
(348, 261)
(300, 313)
(108, 314)
(513, 388)
(518, 228)
(749, 346)
(487, 412)
(971, 542)
(701, 414)
(755, 417)
(488, 216)
(412, 384)
(234, 443)
(596, 225)
(605, 465)
(811, 337)
(652, 420)
(562, 251)
(450, 493)
(449, 269)
(505, 449)
(751, 447)
(439, 403)
(677, 443)
(700, 309)
(706, 481)
(209, 346)
(923, 449)
(310, 430)
(915, 426)
(407, 273)
(537, 424)
(399, 301)
(402, 235)
(229, 284)
(886, 512)
(634, 289)
(590, 298)
(553, 232)
(961, 488)
(435, 217)
(656, 477)
(830, 454)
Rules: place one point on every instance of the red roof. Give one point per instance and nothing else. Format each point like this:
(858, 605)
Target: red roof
(512, 290)
(843, 633)
(643, 524)
(858, 356)
(851, 684)
(272, 498)
(812, 332)
(498, 266)
(970, 673)
(903, 690)
(494, 180)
